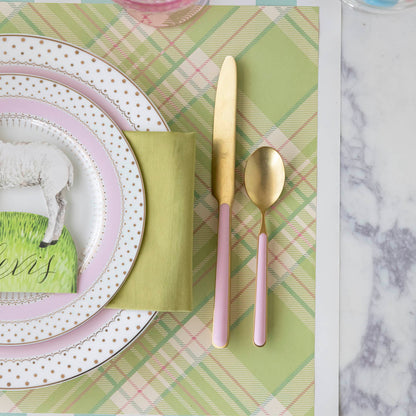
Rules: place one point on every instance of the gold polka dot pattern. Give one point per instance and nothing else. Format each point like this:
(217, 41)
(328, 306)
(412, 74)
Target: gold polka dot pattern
(77, 358)
(81, 65)
(29, 57)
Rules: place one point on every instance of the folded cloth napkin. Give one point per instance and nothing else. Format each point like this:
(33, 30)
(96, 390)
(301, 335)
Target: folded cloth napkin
(161, 278)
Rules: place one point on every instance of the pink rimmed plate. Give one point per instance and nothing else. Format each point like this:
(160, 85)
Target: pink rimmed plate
(109, 331)
(105, 210)
(72, 354)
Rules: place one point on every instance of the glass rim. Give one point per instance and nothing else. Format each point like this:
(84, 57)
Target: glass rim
(366, 7)
(154, 6)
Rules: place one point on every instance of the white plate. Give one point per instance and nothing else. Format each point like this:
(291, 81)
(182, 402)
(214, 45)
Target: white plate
(105, 211)
(109, 331)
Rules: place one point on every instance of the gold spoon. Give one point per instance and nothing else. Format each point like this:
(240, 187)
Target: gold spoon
(264, 180)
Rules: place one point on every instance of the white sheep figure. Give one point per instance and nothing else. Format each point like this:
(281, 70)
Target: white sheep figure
(24, 164)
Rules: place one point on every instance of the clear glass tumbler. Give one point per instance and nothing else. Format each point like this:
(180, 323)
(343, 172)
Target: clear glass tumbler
(162, 13)
(381, 5)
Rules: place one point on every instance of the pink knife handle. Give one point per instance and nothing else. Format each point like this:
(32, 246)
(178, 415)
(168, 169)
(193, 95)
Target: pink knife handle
(260, 310)
(222, 283)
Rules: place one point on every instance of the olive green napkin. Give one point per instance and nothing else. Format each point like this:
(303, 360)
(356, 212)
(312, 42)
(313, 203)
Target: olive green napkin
(161, 278)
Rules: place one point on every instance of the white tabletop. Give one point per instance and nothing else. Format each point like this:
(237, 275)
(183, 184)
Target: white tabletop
(378, 214)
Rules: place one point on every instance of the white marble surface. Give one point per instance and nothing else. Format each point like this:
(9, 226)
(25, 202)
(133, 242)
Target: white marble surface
(378, 215)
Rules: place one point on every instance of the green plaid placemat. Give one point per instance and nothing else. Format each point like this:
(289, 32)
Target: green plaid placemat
(172, 368)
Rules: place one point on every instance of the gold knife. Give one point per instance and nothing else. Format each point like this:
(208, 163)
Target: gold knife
(223, 166)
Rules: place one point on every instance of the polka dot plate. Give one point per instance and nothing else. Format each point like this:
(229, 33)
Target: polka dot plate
(108, 331)
(105, 209)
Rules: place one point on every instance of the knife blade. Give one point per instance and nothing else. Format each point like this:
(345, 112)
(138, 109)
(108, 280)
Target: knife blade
(223, 183)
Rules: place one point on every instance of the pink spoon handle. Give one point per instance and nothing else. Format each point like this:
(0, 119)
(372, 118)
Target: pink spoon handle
(261, 293)
(222, 282)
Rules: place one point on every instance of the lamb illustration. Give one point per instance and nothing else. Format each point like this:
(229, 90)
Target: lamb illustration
(24, 164)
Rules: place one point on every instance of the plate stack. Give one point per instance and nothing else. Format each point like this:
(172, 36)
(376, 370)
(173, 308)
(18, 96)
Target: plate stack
(54, 92)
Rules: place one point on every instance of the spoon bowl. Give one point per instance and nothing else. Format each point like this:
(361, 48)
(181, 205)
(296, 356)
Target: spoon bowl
(264, 180)
(264, 177)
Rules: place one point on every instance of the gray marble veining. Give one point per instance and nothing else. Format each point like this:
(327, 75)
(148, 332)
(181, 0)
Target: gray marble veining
(378, 215)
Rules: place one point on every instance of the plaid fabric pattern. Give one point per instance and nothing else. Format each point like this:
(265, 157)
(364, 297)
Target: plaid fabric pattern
(172, 368)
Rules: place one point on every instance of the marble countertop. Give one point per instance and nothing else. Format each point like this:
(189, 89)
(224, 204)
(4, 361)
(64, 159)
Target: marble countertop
(378, 214)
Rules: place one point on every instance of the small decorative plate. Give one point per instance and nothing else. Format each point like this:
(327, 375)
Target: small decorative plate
(109, 331)
(105, 210)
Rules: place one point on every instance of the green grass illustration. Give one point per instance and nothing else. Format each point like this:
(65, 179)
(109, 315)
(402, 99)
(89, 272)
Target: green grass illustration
(24, 266)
